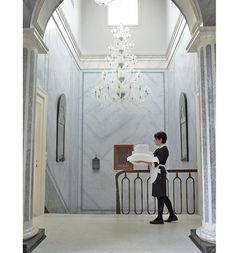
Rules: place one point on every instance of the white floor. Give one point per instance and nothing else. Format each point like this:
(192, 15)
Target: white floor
(115, 233)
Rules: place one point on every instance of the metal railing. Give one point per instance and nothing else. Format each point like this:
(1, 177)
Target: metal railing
(173, 176)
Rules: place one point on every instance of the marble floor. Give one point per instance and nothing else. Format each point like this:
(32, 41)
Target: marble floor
(88, 233)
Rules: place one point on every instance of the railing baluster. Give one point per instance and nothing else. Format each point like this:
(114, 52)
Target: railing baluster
(138, 178)
(122, 193)
(174, 200)
(154, 199)
(187, 207)
(120, 202)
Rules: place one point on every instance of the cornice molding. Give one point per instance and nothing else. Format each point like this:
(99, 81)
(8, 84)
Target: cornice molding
(152, 61)
(32, 39)
(176, 35)
(203, 36)
(67, 35)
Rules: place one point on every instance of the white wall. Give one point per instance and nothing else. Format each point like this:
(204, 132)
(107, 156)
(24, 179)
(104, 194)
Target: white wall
(72, 12)
(172, 16)
(157, 21)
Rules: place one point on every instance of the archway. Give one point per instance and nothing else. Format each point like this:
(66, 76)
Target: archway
(38, 17)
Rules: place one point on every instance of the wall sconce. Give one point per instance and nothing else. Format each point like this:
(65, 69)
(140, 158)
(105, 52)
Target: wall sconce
(96, 163)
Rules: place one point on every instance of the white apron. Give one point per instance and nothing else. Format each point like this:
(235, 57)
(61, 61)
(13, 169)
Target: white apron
(154, 171)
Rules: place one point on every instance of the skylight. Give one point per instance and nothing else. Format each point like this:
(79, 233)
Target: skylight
(123, 11)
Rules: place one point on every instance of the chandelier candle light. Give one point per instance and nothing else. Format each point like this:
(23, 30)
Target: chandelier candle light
(119, 77)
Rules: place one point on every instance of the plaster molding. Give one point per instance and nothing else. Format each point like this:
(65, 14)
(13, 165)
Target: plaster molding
(32, 39)
(67, 35)
(86, 61)
(203, 36)
(176, 35)
(191, 12)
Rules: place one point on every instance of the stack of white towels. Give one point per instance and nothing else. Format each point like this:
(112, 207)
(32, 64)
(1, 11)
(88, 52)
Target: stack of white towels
(141, 153)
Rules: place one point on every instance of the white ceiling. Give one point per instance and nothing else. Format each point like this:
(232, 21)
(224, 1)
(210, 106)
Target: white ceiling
(88, 23)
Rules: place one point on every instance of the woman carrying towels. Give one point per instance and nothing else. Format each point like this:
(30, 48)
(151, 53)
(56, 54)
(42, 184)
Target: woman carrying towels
(159, 181)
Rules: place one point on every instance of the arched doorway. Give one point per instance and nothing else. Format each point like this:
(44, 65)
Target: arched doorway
(38, 18)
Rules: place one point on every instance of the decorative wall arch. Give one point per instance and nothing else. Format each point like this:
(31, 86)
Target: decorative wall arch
(42, 10)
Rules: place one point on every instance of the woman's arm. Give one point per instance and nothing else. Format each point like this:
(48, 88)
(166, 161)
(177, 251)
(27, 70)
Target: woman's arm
(149, 163)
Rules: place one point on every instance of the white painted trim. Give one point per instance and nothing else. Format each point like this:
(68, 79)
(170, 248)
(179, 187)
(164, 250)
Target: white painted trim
(63, 27)
(84, 61)
(176, 36)
(32, 39)
(202, 37)
(41, 97)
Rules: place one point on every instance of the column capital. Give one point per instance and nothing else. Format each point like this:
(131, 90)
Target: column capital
(203, 36)
(32, 39)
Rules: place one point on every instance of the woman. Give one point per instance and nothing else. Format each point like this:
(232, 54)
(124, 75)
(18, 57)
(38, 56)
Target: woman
(159, 184)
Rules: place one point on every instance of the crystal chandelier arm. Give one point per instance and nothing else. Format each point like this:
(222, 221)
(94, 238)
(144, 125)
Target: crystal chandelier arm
(120, 77)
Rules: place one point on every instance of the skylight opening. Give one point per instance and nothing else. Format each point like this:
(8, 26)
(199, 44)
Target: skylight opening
(123, 12)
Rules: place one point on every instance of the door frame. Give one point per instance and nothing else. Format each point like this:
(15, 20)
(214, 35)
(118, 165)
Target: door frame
(41, 97)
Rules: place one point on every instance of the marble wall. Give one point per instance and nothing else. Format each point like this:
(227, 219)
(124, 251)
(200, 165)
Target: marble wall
(181, 77)
(92, 129)
(58, 73)
(104, 126)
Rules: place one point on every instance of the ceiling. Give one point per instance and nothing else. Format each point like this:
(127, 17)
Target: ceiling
(152, 36)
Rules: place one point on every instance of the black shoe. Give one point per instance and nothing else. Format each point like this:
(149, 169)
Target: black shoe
(157, 221)
(172, 218)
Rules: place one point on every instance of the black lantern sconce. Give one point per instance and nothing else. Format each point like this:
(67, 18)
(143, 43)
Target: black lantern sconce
(96, 163)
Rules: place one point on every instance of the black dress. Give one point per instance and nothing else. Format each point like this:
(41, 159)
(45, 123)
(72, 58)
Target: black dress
(159, 185)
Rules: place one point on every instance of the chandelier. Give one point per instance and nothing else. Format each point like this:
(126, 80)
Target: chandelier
(103, 2)
(119, 77)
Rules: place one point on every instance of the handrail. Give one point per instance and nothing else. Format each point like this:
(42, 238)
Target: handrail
(177, 171)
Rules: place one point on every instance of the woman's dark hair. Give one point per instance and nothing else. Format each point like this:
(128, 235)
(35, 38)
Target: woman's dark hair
(161, 135)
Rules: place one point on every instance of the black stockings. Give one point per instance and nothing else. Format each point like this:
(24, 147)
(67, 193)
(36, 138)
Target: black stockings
(161, 202)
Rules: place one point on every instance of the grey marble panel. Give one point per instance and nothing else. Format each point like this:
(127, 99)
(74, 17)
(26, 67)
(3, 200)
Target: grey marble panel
(57, 74)
(25, 57)
(204, 134)
(28, 6)
(208, 12)
(181, 77)
(29, 148)
(211, 115)
(104, 126)
(54, 201)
